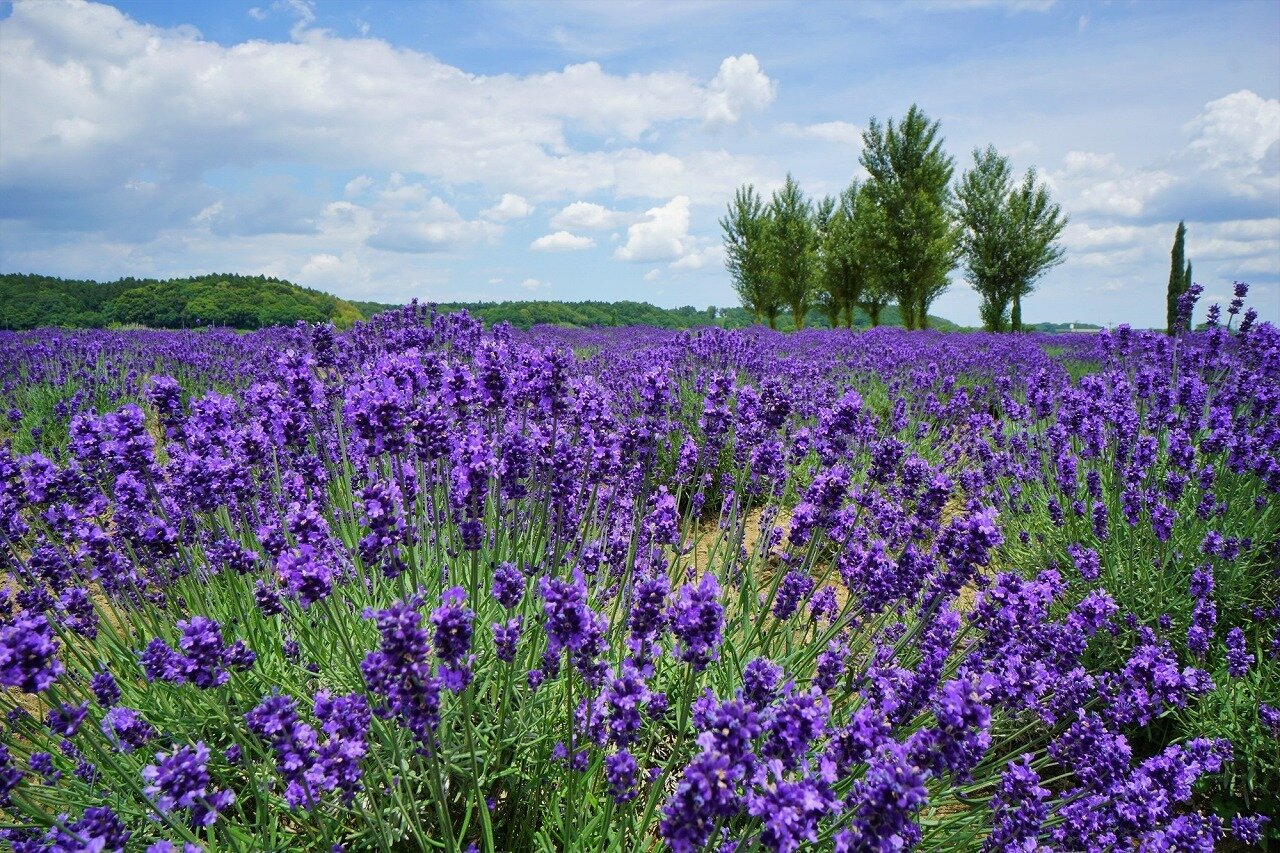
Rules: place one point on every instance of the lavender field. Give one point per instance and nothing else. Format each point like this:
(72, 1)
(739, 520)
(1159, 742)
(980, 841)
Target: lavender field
(425, 585)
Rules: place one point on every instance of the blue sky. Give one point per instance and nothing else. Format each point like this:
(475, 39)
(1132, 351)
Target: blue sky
(447, 151)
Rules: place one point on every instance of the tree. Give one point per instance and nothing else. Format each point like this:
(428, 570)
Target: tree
(825, 294)
(986, 234)
(1008, 236)
(842, 263)
(1179, 282)
(746, 253)
(793, 246)
(1037, 225)
(866, 226)
(915, 239)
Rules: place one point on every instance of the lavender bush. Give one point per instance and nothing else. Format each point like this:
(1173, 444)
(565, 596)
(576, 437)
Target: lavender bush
(426, 586)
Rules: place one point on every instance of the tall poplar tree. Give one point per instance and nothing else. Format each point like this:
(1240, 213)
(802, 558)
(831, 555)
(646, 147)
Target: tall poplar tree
(793, 248)
(986, 243)
(1179, 282)
(915, 239)
(1008, 236)
(825, 298)
(842, 263)
(746, 254)
(1037, 224)
(868, 221)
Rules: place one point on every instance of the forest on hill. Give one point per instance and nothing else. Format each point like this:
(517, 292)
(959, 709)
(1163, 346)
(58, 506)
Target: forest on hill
(238, 301)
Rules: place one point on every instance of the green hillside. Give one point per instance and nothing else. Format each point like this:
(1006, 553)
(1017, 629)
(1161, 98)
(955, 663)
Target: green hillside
(252, 302)
(240, 301)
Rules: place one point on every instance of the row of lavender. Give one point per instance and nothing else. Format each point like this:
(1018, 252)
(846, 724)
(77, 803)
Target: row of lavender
(423, 585)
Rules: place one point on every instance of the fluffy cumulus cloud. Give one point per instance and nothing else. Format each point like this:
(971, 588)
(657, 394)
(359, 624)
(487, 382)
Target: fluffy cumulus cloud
(741, 87)
(510, 206)
(561, 241)
(588, 216)
(400, 215)
(105, 99)
(1228, 165)
(662, 235)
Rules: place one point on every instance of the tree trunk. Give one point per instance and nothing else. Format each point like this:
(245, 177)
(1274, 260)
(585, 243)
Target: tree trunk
(908, 312)
(874, 311)
(797, 316)
(1015, 316)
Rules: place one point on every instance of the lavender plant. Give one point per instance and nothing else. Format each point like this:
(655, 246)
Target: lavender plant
(427, 586)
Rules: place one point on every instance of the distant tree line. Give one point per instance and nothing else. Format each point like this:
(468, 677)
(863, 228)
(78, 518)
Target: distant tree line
(252, 302)
(239, 301)
(894, 238)
(525, 315)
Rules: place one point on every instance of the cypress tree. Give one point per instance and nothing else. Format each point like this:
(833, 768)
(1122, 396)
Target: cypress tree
(1179, 279)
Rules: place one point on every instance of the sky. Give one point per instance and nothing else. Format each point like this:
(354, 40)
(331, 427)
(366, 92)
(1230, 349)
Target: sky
(386, 151)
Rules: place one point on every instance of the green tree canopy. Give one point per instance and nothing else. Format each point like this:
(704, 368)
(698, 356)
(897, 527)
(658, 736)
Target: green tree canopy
(746, 253)
(793, 244)
(913, 236)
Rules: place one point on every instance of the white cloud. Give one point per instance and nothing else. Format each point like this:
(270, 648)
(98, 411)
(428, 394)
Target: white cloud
(1092, 182)
(653, 274)
(1239, 126)
(418, 237)
(357, 185)
(587, 216)
(838, 132)
(105, 98)
(422, 227)
(561, 241)
(533, 284)
(1238, 135)
(740, 87)
(332, 273)
(510, 207)
(696, 259)
(661, 236)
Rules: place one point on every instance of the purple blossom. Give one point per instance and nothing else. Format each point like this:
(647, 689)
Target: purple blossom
(508, 585)
(27, 649)
(1239, 658)
(65, 719)
(400, 670)
(506, 635)
(126, 728)
(180, 780)
(697, 620)
(795, 587)
(621, 770)
(760, 680)
(452, 621)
